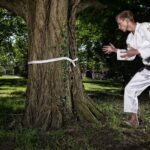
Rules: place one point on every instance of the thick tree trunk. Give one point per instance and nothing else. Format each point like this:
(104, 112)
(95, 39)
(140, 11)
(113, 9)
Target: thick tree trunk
(55, 91)
(47, 22)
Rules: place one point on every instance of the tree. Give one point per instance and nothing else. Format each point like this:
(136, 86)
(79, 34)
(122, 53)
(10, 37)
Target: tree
(54, 91)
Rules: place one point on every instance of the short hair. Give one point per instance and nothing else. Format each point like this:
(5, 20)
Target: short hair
(125, 14)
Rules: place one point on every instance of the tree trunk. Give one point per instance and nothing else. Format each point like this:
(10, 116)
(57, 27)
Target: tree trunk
(55, 91)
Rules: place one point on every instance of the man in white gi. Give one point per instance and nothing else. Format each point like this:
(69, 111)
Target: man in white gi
(138, 43)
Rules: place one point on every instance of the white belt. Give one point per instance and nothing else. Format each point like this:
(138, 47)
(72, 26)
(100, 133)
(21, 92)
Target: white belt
(53, 60)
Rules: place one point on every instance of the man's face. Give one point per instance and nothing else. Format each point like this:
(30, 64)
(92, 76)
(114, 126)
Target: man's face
(122, 24)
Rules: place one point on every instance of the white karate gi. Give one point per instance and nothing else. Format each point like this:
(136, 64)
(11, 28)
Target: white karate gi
(140, 40)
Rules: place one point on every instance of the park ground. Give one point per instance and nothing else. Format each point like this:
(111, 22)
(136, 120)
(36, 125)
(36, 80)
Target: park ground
(110, 134)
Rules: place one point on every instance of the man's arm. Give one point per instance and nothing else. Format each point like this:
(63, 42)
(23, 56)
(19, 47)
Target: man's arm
(122, 54)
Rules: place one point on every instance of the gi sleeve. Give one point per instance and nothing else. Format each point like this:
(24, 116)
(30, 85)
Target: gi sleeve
(144, 50)
(129, 44)
(119, 51)
(119, 54)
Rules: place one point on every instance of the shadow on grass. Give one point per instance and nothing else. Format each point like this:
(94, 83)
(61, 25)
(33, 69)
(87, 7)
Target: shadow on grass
(12, 101)
(11, 111)
(13, 82)
(11, 104)
(13, 93)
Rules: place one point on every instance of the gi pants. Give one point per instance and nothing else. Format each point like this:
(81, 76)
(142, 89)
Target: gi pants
(134, 88)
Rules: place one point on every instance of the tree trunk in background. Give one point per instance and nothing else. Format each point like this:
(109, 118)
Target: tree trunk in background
(55, 91)
(86, 110)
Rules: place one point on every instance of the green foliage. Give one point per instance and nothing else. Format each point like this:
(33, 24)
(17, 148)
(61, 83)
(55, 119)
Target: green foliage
(13, 42)
(97, 27)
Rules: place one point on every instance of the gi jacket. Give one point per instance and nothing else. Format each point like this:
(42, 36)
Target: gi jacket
(139, 40)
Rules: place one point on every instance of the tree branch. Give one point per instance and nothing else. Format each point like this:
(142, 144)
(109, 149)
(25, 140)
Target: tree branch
(16, 6)
(90, 3)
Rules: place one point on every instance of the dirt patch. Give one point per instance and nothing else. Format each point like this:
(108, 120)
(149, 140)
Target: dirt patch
(7, 144)
(109, 139)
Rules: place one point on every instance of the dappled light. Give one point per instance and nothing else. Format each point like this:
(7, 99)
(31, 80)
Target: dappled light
(92, 101)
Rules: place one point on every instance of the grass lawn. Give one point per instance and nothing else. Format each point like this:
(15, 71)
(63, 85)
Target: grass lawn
(109, 135)
(102, 85)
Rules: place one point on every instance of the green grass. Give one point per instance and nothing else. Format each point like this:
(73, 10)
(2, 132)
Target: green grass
(109, 135)
(11, 85)
(102, 85)
(12, 100)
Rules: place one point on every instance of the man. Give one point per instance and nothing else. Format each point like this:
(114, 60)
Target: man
(138, 43)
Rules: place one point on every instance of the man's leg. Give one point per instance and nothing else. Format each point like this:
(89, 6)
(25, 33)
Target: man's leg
(133, 89)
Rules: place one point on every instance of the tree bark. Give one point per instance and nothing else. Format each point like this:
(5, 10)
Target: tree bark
(54, 91)
(47, 22)
(83, 107)
(90, 3)
(16, 6)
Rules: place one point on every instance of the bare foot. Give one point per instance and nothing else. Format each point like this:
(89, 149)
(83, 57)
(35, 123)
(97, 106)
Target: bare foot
(134, 123)
(133, 119)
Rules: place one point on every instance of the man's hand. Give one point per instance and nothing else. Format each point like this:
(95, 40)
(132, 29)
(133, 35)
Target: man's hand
(130, 53)
(107, 49)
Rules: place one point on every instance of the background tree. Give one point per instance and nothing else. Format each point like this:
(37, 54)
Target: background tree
(13, 39)
(54, 91)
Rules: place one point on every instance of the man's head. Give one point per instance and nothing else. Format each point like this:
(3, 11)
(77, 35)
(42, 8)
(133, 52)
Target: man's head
(125, 20)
